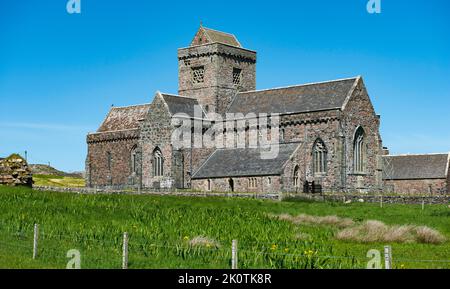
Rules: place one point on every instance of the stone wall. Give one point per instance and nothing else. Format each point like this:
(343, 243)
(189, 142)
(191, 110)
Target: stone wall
(415, 187)
(308, 128)
(14, 171)
(417, 200)
(413, 200)
(264, 184)
(199, 156)
(156, 132)
(448, 177)
(120, 145)
(359, 112)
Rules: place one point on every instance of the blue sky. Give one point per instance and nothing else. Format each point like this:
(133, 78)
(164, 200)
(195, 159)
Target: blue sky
(60, 72)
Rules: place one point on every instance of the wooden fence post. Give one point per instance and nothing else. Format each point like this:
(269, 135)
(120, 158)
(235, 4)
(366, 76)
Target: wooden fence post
(234, 255)
(387, 257)
(381, 201)
(125, 251)
(35, 240)
(423, 204)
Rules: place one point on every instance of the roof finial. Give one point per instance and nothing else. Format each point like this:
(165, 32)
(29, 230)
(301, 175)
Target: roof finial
(201, 24)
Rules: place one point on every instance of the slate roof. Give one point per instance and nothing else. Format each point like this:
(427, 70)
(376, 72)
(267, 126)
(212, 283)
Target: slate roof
(407, 167)
(244, 162)
(181, 104)
(301, 98)
(221, 37)
(122, 118)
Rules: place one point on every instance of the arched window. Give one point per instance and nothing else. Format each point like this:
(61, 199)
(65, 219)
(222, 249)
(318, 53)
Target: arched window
(252, 183)
(282, 132)
(296, 177)
(359, 152)
(158, 163)
(109, 160)
(133, 160)
(319, 157)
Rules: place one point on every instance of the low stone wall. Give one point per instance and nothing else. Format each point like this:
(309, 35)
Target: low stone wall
(267, 196)
(406, 199)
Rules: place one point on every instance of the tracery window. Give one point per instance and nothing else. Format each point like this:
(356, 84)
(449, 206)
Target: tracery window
(158, 163)
(198, 74)
(359, 152)
(319, 157)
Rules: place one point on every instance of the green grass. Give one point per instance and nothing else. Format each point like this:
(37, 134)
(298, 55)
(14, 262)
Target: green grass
(58, 181)
(160, 227)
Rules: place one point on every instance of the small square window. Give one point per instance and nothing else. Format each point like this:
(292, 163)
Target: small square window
(237, 75)
(198, 74)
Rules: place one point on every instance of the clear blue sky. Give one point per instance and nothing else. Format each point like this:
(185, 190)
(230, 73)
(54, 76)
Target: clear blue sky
(60, 73)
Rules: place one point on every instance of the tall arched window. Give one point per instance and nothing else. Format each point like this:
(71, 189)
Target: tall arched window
(109, 160)
(282, 132)
(359, 152)
(158, 163)
(133, 160)
(296, 177)
(319, 157)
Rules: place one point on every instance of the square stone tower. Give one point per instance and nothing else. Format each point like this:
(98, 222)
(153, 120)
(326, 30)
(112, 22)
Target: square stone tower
(214, 68)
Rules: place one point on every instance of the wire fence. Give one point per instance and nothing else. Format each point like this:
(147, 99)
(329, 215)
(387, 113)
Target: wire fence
(51, 251)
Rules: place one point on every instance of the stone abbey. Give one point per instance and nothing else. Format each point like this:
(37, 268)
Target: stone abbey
(329, 137)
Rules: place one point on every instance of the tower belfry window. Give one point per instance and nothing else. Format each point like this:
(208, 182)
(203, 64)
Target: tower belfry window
(237, 75)
(198, 74)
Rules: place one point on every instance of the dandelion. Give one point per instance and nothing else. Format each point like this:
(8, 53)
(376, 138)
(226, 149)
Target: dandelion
(286, 250)
(274, 247)
(309, 253)
(186, 238)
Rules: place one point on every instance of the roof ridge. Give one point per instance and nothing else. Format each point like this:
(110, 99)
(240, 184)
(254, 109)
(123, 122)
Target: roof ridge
(129, 106)
(299, 85)
(425, 154)
(214, 30)
(177, 95)
(259, 147)
(113, 131)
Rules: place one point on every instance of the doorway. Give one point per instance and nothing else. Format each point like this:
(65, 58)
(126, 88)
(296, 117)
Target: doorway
(231, 184)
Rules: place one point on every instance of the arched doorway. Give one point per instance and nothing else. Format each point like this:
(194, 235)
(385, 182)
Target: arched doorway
(231, 184)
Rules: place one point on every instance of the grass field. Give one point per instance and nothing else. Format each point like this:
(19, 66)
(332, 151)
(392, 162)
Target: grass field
(182, 232)
(58, 181)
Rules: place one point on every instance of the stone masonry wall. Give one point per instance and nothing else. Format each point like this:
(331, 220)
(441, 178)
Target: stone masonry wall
(199, 156)
(415, 187)
(156, 132)
(218, 60)
(360, 112)
(264, 184)
(120, 144)
(448, 177)
(308, 128)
